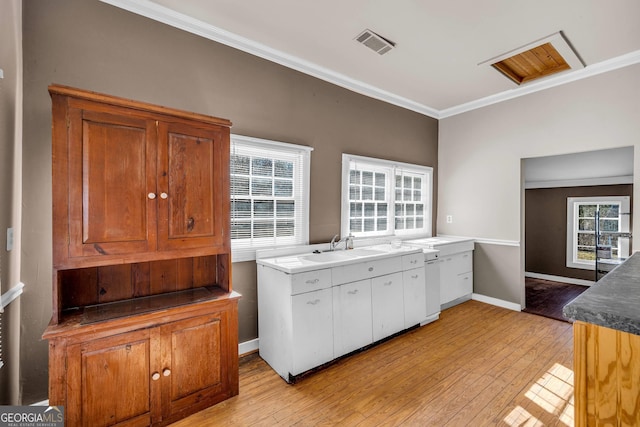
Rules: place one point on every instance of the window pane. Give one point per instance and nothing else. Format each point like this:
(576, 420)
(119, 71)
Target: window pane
(354, 192)
(399, 209)
(586, 253)
(380, 179)
(420, 209)
(406, 195)
(355, 225)
(239, 185)
(285, 228)
(355, 210)
(417, 195)
(588, 211)
(263, 229)
(367, 193)
(409, 209)
(417, 182)
(382, 209)
(369, 209)
(609, 211)
(399, 223)
(283, 169)
(283, 188)
(380, 193)
(587, 224)
(240, 230)
(608, 225)
(241, 208)
(409, 224)
(285, 208)
(419, 222)
(398, 181)
(240, 164)
(369, 224)
(262, 166)
(354, 177)
(367, 178)
(263, 209)
(382, 224)
(261, 187)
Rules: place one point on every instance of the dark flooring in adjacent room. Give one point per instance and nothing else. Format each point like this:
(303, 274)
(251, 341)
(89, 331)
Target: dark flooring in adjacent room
(546, 298)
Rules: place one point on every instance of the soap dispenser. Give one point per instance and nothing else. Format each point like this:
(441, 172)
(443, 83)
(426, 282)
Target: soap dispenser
(350, 241)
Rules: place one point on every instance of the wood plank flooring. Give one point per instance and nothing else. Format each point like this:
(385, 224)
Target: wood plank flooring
(479, 365)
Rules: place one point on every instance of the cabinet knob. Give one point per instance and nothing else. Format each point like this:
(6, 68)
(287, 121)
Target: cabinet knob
(370, 268)
(155, 376)
(151, 196)
(163, 195)
(166, 372)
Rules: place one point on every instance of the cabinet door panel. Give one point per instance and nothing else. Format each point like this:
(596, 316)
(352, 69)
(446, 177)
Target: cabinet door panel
(352, 317)
(194, 359)
(191, 162)
(415, 301)
(111, 174)
(114, 381)
(387, 303)
(312, 326)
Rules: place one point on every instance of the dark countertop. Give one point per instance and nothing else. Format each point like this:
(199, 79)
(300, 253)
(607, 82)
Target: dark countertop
(614, 301)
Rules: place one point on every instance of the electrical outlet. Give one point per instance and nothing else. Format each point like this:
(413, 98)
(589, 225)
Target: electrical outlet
(9, 238)
(449, 219)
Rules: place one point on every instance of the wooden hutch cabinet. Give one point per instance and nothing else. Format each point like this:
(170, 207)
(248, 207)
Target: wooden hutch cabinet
(144, 327)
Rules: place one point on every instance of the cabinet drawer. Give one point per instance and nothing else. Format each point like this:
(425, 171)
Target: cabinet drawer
(412, 261)
(310, 281)
(365, 270)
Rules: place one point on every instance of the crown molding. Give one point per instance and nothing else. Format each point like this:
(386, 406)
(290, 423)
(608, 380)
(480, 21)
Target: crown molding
(168, 16)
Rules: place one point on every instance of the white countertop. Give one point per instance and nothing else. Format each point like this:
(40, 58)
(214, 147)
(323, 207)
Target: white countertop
(297, 263)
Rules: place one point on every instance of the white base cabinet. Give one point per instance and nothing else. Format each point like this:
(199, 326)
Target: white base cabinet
(432, 273)
(309, 318)
(456, 277)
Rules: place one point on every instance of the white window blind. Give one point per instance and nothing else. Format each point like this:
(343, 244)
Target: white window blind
(269, 195)
(385, 198)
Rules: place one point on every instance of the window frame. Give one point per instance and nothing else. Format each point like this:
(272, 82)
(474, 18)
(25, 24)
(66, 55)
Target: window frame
(573, 204)
(390, 167)
(245, 249)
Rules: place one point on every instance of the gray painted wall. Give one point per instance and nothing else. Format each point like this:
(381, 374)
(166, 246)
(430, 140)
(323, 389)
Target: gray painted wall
(91, 45)
(479, 162)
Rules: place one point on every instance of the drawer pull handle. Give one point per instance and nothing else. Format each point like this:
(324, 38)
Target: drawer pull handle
(155, 376)
(311, 282)
(370, 268)
(314, 302)
(166, 372)
(414, 261)
(415, 276)
(355, 291)
(389, 283)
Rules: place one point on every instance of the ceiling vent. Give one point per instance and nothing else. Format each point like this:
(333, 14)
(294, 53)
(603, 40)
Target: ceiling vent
(375, 42)
(539, 59)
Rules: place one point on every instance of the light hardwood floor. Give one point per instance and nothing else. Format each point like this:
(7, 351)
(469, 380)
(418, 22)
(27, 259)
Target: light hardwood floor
(479, 365)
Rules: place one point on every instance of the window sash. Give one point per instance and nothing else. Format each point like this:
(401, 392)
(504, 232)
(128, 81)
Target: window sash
(399, 206)
(269, 195)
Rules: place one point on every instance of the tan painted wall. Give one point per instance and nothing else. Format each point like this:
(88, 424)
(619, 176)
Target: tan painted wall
(91, 45)
(480, 152)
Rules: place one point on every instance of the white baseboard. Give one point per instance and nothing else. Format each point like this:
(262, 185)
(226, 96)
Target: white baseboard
(248, 346)
(497, 302)
(560, 279)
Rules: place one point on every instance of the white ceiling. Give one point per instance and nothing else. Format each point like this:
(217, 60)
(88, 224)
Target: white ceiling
(434, 67)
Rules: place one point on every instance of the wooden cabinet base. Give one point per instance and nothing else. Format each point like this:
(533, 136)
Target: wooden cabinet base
(149, 369)
(606, 376)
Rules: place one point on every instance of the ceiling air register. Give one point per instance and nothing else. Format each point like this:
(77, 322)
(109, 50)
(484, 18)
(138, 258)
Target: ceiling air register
(375, 42)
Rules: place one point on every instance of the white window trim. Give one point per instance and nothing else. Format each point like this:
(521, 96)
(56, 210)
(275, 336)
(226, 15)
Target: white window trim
(249, 254)
(572, 235)
(387, 164)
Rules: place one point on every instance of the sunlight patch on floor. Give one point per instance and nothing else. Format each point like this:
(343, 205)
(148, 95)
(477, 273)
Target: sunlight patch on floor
(553, 393)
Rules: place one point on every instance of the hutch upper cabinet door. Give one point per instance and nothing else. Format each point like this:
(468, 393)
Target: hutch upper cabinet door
(111, 182)
(190, 185)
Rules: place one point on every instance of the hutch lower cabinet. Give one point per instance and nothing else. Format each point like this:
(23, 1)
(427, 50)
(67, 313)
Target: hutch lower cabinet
(144, 328)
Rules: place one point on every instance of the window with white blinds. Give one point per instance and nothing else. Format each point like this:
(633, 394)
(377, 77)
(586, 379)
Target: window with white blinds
(385, 198)
(269, 195)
